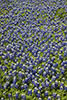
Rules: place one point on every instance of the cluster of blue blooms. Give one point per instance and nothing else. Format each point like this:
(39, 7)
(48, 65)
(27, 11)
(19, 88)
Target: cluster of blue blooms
(33, 50)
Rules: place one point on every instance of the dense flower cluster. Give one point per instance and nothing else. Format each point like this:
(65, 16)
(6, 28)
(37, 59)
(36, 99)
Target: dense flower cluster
(33, 50)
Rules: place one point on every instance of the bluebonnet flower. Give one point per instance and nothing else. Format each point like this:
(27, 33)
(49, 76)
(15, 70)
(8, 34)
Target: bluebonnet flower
(29, 92)
(25, 86)
(23, 96)
(49, 98)
(9, 95)
(33, 47)
(14, 80)
(17, 95)
(35, 90)
(38, 94)
(54, 95)
(65, 88)
(46, 93)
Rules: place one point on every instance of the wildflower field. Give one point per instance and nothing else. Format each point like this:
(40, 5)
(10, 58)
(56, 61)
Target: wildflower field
(33, 49)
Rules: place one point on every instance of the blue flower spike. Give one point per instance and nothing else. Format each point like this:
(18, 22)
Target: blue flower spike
(33, 50)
